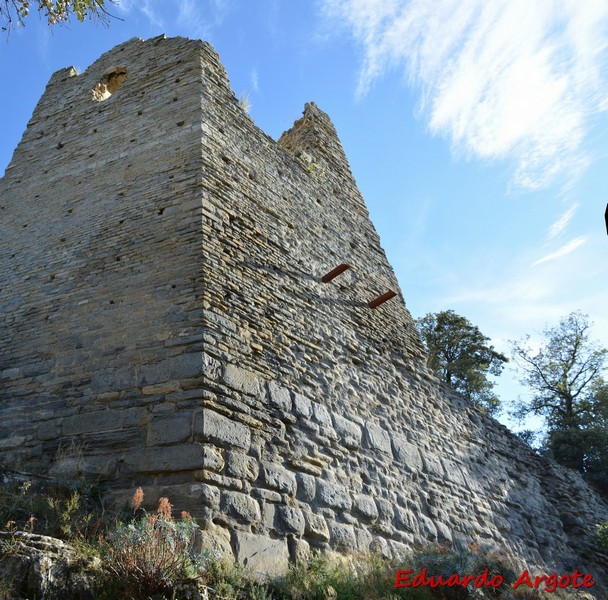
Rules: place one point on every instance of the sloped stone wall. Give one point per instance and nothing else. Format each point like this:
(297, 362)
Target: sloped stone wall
(165, 312)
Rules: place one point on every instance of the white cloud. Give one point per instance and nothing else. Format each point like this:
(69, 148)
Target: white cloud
(563, 251)
(194, 18)
(505, 79)
(561, 223)
(146, 7)
(255, 84)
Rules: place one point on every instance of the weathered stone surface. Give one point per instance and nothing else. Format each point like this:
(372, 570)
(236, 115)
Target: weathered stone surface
(377, 438)
(307, 487)
(280, 397)
(333, 494)
(263, 555)
(185, 457)
(315, 527)
(342, 536)
(299, 550)
(222, 431)
(212, 458)
(349, 432)
(215, 538)
(241, 465)
(321, 414)
(169, 429)
(278, 478)
(366, 507)
(302, 406)
(37, 566)
(406, 453)
(290, 520)
(241, 379)
(241, 507)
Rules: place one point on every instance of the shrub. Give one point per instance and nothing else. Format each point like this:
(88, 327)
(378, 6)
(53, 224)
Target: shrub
(151, 553)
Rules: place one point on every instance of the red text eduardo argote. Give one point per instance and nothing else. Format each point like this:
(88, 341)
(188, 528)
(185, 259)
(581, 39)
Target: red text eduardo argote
(548, 583)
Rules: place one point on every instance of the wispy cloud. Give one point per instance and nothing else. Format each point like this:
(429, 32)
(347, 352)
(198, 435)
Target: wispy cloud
(561, 223)
(255, 83)
(146, 7)
(563, 251)
(508, 79)
(192, 17)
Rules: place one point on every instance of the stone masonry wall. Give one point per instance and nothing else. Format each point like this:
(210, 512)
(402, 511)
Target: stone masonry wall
(213, 366)
(100, 294)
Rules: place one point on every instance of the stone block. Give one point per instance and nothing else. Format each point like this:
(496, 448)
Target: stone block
(49, 430)
(221, 430)
(364, 540)
(321, 414)
(302, 406)
(278, 478)
(212, 458)
(160, 388)
(241, 465)
(315, 527)
(241, 380)
(290, 520)
(350, 433)
(307, 488)
(263, 555)
(341, 536)
(385, 509)
(432, 464)
(279, 397)
(170, 428)
(186, 366)
(183, 457)
(102, 420)
(443, 532)
(365, 507)
(333, 494)
(299, 550)
(209, 495)
(406, 453)
(216, 539)
(241, 507)
(377, 438)
(134, 417)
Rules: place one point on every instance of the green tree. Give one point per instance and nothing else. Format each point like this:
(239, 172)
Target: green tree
(461, 357)
(566, 377)
(14, 12)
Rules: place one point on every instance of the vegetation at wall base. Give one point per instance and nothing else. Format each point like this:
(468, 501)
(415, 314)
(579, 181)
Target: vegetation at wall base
(153, 556)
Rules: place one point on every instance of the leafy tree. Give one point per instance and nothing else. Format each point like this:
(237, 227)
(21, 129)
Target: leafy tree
(460, 356)
(565, 375)
(14, 12)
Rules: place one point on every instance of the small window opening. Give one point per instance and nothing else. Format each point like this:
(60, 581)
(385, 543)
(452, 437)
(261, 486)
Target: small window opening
(109, 83)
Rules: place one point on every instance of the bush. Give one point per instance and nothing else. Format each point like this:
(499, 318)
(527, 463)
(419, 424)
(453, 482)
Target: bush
(151, 553)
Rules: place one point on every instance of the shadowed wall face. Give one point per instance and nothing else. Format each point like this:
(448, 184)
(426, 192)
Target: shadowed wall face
(165, 311)
(100, 256)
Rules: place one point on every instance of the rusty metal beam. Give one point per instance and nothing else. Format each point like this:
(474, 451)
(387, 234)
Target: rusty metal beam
(382, 299)
(335, 272)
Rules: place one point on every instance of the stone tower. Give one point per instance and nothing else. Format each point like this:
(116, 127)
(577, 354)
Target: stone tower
(161, 266)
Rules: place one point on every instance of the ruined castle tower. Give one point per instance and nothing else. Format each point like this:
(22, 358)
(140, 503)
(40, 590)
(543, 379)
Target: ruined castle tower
(161, 264)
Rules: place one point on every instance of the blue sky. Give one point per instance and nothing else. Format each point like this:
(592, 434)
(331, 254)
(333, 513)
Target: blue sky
(477, 131)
